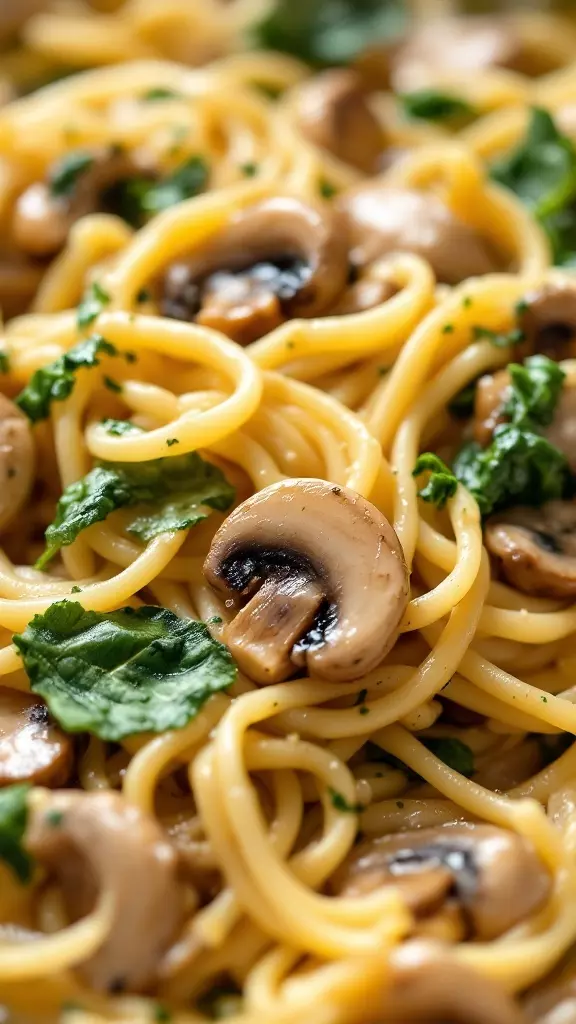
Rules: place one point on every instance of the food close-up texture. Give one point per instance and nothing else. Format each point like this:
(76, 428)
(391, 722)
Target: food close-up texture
(287, 512)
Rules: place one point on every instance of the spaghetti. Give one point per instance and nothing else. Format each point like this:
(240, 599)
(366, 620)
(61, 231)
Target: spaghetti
(288, 570)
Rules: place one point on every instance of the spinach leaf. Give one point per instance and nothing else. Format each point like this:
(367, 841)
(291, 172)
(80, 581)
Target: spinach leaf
(535, 389)
(442, 483)
(433, 105)
(13, 821)
(453, 752)
(175, 494)
(116, 674)
(542, 173)
(138, 198)
(519, 467)
(329, 31)
(64, 175)
(55, 382)
(92, 304)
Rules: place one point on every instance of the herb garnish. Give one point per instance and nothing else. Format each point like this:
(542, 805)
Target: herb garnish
(160, 92)
(92, 304)
(340, 802)
(64, 175)
(442, 483)
(329, 31)
(499, 339)
(541, 171)
(433, 105)
(519, 466)
(115, 674)
(175, 494)
(55, 382)
(452, 752)
(13, 821)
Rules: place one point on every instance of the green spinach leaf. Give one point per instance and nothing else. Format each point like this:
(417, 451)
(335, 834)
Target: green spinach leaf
(55, 382)
(65, 174)
(174, 494)
(542, 173)
(329, 31)
(453, 752)
(535, 388)
(138, 198)
(433, 105)
(13, 821)
(116, 674)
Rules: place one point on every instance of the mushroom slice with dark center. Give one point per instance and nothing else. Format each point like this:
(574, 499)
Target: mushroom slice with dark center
(494, 875)
(44, 215)
(548, 320)
(32, 748)
(333, 112)
(431, 986)
(324, 578)
(536, 548)
(16, 460)
(95, 843)
(278, 259)
(382, 219)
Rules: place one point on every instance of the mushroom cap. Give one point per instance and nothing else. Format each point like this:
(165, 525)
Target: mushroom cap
(548, 321)
(382, 219)
(536, 547)
(431, 986)
(332, 565)
(32, 748)
(98, 842)
(276, 230)
(16, 460)
(333, 113)
(440, 46)
(495, 875)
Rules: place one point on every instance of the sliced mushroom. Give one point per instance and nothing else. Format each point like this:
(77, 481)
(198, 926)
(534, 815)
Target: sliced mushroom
(333, 112)
(42, 220)
(382, 219)
(442, 46)
(324, 576)
(278, 259)
(553, 1002)
(489, 400)
(32, 748)
(365, 293)
(16, 460)
(536, 548)
(494, 875)
(430, 986)
(548, 319)
(97, 842)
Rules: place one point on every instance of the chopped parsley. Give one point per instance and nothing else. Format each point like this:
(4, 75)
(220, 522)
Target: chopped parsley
(92, 304)
(499, 339)
(442, 483)
(158, 93)
(340, 802)
(13, 821)
(327, 189)
(249, 170)
(4, 362)
(112, 384)
(452, 752)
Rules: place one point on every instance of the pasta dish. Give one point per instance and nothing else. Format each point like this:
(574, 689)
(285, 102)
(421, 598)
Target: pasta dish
(288, 513)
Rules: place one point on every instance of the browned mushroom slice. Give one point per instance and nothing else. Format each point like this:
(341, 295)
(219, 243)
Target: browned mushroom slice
(278, 259)
(443, 46)
(536, 548)
(43, 216)
(97, 842)
(494, 875)
(548, 319)
(489, 399)
(16, 460)
(32, 748)
(333, 112)
(430, 986)
(382, 219)
(324, 576)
